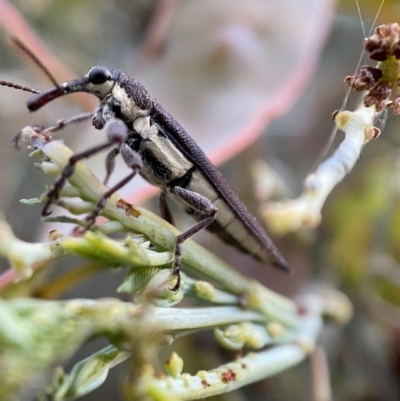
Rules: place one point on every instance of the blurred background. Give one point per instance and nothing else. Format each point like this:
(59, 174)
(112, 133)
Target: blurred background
(250, 81)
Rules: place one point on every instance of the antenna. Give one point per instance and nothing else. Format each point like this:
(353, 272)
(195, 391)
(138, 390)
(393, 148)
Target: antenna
(21, 46)
(16, 86)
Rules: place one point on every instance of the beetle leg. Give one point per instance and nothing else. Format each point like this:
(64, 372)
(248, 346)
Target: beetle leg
(134, 161)
(54, 128)
(164, 209)
(67, 172)
(201, 204)
(117, 133)
(68, 121)
(110, 163)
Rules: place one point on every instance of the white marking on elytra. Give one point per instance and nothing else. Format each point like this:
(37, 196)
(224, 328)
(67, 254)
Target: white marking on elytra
(201, 185)
(162, 148)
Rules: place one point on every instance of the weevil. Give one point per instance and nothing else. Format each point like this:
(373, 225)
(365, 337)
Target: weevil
(153, 144)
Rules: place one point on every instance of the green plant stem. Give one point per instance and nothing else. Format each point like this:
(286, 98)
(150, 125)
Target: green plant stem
(195, 259)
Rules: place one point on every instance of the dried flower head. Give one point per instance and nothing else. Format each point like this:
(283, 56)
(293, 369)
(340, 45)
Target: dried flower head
(382, 81)
(382, 43)
(378, 95)
(366, 79)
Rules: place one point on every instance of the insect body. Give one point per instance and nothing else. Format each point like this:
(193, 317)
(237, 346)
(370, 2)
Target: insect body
(157, 147)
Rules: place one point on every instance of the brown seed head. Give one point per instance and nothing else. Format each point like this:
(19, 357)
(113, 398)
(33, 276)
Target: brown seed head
(366, 79)
(384, 42)
(377, 96)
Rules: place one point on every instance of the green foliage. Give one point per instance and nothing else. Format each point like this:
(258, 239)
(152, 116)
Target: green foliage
(38, 336)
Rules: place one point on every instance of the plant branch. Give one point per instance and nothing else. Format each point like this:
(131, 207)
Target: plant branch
(290, 215)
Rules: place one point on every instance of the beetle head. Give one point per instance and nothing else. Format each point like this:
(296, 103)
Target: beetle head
(98, 81)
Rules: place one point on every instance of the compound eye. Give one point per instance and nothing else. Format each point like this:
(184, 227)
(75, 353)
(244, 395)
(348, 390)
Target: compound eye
(99, 75)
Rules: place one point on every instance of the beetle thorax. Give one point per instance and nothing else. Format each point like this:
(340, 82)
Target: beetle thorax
(130, 110)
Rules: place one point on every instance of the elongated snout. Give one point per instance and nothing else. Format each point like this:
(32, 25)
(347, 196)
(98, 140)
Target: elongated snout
(39, 100)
